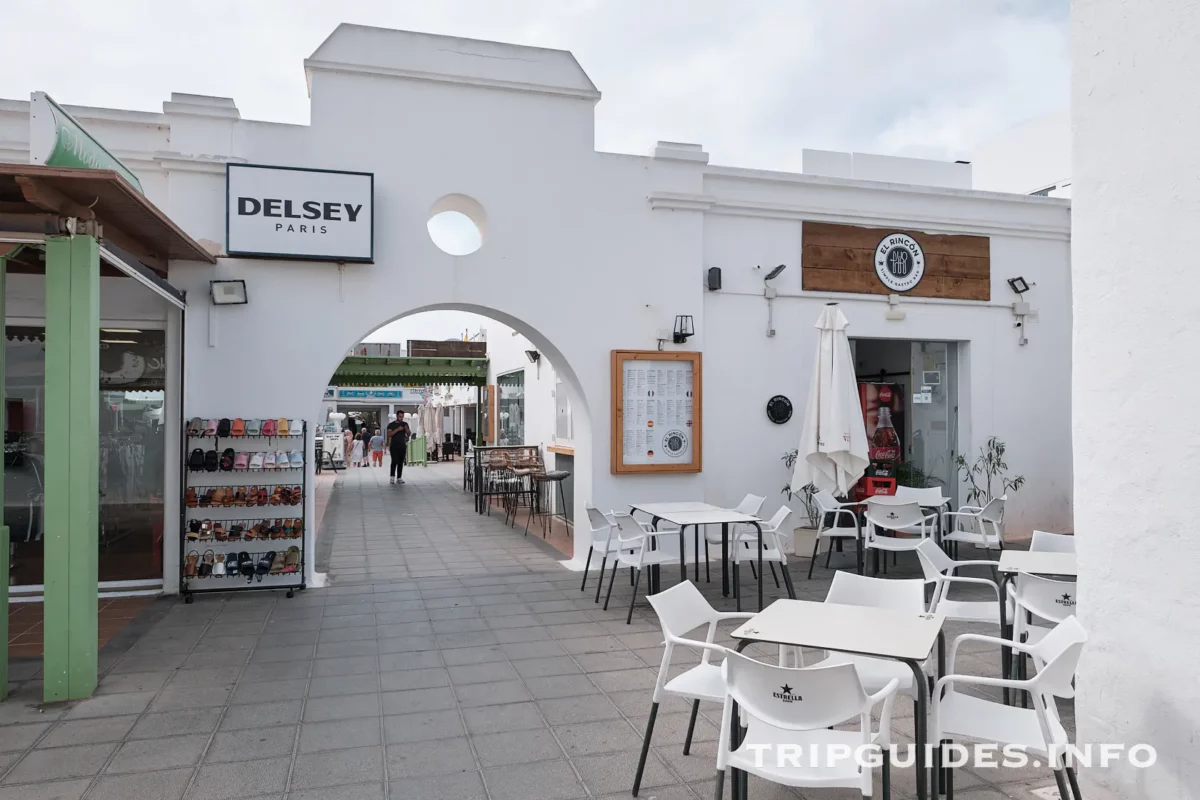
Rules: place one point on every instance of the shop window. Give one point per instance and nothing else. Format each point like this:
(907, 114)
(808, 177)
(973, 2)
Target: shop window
(510, 411)
(132, 452)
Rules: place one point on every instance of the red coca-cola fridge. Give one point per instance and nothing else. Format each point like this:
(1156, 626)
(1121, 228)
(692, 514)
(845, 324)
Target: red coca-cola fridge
(883, 413)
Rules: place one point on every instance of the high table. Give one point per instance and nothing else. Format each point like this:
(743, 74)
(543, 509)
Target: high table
(1027, 562)
(698, 515)
(861, 630)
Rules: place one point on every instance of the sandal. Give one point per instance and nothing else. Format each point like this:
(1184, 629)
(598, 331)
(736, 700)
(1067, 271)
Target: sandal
(262, 496)
(219, 567)
(256, 462)
(268, 427)
(277, 563)
(241, 461)
(227, 459)
(277, 496)
(297, 427)
(239, 497)
(210, 427)
(253, 427)
(206, 498)
(281, 427)
(286, 533)
(252, 497)
(195, 426)
(264, 564)
(219, 532)
(269, 461)
(239, 427)
(235, 531)
(291, 563)
(206, 566)
(190, 499)
(246, 566)
(277, 529)
(193, 531)
(298, 529)
(189, 568)
(206, 530)
(297, 459)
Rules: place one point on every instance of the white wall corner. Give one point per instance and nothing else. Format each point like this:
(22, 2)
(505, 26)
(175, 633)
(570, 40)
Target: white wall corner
(681, 151)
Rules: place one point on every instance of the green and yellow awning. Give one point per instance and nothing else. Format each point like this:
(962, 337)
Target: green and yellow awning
(410, 371)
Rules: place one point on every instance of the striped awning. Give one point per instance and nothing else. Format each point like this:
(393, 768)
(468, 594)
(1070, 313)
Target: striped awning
(410, 371)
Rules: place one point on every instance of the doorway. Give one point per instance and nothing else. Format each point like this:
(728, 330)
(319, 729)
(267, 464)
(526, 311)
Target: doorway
(924, 378)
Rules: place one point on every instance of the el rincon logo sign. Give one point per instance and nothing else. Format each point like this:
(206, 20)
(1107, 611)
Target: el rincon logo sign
(899, 262)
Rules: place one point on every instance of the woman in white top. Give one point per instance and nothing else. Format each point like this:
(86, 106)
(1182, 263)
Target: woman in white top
(356, 451)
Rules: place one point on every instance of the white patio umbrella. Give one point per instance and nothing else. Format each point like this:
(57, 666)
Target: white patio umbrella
(833, 444)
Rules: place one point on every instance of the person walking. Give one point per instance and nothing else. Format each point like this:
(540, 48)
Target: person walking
(347, 445)
(397, 436)
(356, 452)
(377, 449)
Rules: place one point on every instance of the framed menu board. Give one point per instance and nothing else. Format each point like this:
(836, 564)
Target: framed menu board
(657, 401)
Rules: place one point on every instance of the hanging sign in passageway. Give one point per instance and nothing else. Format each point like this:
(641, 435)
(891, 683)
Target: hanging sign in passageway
(288, 212)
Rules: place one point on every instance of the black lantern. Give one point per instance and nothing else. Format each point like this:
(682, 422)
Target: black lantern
(683, 329)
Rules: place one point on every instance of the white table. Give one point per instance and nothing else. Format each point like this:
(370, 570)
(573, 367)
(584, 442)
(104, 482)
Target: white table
(1027, 562)
(698, 515)
(878, 632)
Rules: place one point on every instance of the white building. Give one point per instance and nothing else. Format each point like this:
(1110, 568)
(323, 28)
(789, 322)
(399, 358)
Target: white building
(1031, 158)
(584, 253)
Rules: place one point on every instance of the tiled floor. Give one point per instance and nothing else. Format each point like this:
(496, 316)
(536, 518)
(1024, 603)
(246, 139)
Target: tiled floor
(452, 658)
(25, 624)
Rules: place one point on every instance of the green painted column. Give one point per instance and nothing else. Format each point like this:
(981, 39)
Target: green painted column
(72, 466)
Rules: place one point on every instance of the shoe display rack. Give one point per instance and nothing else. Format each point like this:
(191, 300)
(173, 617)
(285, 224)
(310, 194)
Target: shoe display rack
(243, 518)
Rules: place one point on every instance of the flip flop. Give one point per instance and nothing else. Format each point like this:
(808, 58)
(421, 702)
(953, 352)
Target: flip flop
(268, 427)
(239, 427)
(210, 427)
(256, 462)
(281, 427)
(254, 427)
(264, 564)
(281, 460)
(211, 461)
(195, 426)
(291, 563)
(269, 461)
(224, 427)
(196, 460)
(296, 426)
(296, 458)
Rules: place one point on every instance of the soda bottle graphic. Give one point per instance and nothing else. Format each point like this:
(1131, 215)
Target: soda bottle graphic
(885, 445)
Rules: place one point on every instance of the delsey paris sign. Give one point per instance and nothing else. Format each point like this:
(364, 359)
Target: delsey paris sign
(287, 212)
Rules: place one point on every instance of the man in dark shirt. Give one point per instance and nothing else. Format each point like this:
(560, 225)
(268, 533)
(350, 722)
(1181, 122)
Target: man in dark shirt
(397, 438)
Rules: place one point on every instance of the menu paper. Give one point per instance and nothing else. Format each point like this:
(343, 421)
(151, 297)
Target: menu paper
(657, 421)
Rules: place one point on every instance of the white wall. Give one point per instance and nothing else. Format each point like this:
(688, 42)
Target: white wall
(587, 252)
(506, 353)
(1026, 158)
(1137, 449)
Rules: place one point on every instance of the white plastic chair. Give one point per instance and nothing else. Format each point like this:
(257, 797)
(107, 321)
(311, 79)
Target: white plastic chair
(939, 570)
(634, 550)
(745, 548)
(981, 527)
(602, 541)
(852, 589)
(1052, 542)
(1038, 730)
(751, 504)
(828, 505)
(1046, 599)
(906, 519)
(798, 708)
(682, 609)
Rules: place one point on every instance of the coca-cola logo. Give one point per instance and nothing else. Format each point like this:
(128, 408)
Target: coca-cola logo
(883, 453)
(885, 394)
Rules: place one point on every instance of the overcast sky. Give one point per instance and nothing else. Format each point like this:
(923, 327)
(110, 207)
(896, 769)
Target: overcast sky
(754, 82)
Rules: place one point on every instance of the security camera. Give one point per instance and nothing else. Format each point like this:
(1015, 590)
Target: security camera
(1018, 324)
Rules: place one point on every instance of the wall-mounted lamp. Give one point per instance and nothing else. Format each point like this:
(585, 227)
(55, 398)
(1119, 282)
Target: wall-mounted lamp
(770, 292)
(684, 329)
(1018, 285)
(228, 293)
(533, 355)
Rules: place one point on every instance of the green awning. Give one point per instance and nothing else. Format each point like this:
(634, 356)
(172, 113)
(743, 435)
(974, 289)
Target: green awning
(410, 371)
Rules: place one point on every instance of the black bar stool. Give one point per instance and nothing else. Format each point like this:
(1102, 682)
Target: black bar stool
(547, 481)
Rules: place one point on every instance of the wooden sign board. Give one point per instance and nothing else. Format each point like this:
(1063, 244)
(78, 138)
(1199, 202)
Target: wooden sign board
(489, 414)
(657, 410)
(846, 258)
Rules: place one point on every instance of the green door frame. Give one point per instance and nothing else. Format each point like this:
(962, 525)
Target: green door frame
(72, 467)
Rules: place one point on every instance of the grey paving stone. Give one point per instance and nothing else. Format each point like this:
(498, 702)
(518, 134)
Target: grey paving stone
(461, 656)
(547, 780)
(111, 705)
(482, 673)
(268, 692)
(339, 734)
(606, 736)
(545, 667)
(20, 737)
(414, 679)
(87, 731)
(351, 665)
(171, 723)
(536, 649)
(425, 659)
(568, 710)
(150, 754)
(60, 762)
(320, 709)
(133, 682)
(164, 784)
(240, 779)
(54, 790)
(560, 686)
(417, 700)
(516, 747)
(357, 791)
(436, 757)
(488, 694)
(251, 744)
(510, 717)
(335, 767)
(423, 726)
(256, 673)
(612, 773)
(261, 715)
(182, 696)
(459, 786)
(625, 680)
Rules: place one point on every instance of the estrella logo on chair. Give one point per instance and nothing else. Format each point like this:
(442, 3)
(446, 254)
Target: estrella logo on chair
(1065, 600)
(786, 695)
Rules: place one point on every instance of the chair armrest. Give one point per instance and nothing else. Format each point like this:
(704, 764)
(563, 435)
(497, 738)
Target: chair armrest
(978, 637)
(979, 680)
(961, 513)
(673, 532)
(980, 563)
(973, 582)
(716, 648)
(888, 695)
(724, 615)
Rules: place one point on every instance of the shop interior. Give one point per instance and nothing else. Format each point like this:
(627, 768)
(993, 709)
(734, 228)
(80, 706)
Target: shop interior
(923, 376)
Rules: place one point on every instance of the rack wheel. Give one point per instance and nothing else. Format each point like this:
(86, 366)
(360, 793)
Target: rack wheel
(188, 599)
(291, 593)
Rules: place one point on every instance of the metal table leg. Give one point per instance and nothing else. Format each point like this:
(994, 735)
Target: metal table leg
(725, 559)
(1005, 633)
(920, 727)
(758, 528)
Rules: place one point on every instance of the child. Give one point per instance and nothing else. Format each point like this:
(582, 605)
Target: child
(356, 452)
(377, 449)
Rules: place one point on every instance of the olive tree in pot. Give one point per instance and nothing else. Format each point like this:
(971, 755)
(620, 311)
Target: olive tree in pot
(806, 529)
(987, 476)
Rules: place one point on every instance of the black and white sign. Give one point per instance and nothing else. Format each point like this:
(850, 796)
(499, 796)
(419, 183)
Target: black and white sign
(899, 262)
(288, 212)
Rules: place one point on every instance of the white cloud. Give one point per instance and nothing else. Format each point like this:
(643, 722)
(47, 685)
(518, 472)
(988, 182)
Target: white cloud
(753, 82)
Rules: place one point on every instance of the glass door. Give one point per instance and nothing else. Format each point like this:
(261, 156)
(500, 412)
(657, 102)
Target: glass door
(934, 405)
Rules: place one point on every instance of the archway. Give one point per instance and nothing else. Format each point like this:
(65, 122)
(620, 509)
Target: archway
(546, 354)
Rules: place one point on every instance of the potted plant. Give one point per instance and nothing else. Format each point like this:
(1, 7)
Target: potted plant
(987, 476)
(806, 530)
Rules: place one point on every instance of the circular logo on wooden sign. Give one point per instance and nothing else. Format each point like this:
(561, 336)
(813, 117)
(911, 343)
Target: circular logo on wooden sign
(779, 409)
(899, 262)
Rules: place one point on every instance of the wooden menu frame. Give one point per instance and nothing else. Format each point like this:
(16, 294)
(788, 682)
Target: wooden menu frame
(695, 432)
(489, 414)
